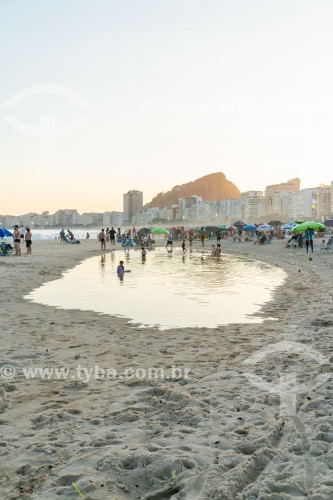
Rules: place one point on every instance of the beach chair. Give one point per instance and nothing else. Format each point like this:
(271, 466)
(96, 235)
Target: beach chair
(327, 246)
(5, 249)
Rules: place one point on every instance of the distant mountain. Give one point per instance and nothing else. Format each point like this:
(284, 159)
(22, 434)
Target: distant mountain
(212, 187)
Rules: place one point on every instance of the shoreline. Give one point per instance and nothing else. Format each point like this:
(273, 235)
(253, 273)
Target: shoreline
(131, 436)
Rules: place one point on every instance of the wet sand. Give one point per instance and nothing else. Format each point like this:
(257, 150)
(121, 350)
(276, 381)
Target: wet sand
(211, 434)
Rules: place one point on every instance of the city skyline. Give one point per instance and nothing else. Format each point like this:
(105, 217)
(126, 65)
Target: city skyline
(98, 98)
(284, 201)
(119, 206)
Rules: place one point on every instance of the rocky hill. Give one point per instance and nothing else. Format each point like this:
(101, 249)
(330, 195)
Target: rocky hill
(212, 187)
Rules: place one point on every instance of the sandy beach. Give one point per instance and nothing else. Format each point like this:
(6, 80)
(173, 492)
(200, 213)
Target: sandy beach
(211, 434)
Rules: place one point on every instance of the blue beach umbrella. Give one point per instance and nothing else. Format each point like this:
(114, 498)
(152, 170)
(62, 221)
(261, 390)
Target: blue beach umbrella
(328, 223)
(249, 228)
(4, 232)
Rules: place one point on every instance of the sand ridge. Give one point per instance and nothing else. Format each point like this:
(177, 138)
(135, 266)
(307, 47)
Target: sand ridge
(213, 435)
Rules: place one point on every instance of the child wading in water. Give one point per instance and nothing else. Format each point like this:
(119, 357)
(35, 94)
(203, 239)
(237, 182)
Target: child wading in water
(120, 268)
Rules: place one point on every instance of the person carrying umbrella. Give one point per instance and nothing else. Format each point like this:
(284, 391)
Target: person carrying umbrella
(309, 234)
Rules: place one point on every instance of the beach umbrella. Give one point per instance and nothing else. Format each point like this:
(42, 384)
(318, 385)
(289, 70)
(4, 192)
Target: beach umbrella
(265, 227)
(238, 223)
(300, 228)
(159, 230)
(298, 221)
(223, 227)
(249, 228)
(328, 223)
(275, 223)
(289, 226)
(4, 232)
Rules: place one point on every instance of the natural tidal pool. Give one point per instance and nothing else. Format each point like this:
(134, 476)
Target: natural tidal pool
(166, 290)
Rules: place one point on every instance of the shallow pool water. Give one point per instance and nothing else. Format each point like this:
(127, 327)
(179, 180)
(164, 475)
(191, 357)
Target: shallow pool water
(167, 290)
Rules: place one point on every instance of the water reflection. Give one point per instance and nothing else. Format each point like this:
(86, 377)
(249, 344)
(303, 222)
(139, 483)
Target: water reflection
(166, 289)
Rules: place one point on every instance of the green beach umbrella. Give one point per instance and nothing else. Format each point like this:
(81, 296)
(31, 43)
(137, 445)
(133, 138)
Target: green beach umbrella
(159, 230)
(298, 221)
(300, 228)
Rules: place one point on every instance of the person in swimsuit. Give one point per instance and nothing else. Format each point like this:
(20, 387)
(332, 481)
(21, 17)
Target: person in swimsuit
(112, 236)
(169, 240)
(27, 237)
(17, 241)
(101, 238)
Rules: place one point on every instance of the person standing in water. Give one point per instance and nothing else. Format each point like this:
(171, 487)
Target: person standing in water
(120, 268)
(202, 237)
(101, 238)
(169, 240)
(112, 236)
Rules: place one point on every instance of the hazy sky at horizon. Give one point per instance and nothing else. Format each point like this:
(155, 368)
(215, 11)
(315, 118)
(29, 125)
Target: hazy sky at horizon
(174, 91)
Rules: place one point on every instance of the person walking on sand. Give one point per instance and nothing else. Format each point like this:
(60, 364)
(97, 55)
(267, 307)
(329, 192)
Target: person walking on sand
(184, 246)
(309, 234)
(101, 238)
(17, 241)
(27, 237)
(107, 235)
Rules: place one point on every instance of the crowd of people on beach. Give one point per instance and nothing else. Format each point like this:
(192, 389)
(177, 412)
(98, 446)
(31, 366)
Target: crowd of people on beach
(145, 240)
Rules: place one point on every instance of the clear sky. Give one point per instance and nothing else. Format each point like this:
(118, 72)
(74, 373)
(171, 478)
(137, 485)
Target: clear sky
(176, 89)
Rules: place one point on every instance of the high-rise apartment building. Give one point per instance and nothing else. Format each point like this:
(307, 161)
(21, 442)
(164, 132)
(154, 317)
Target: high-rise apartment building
(276, 195)
(133, 202)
